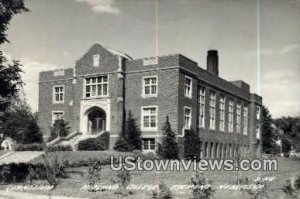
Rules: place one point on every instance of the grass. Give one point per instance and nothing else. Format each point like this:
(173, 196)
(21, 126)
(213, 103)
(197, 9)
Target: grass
(2, 152)
(72, 186)
(76, 156)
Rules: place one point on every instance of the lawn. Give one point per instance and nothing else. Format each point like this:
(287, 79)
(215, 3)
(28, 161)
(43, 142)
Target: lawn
(72, 186)
(2, 152)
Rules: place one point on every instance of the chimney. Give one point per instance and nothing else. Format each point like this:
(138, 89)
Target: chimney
(213, 62)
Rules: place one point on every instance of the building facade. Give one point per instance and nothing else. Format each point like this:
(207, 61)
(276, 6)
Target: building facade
(105, 85)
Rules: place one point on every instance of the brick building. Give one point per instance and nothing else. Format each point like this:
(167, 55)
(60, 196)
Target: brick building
(105, 84)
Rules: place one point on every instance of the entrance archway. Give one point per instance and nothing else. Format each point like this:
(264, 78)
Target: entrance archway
(96, 120)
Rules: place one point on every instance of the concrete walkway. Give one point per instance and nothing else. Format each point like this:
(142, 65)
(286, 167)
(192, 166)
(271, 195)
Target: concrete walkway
(19, 156)
(22, 195)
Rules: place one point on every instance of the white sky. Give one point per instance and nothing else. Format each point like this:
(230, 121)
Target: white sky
(56, 33)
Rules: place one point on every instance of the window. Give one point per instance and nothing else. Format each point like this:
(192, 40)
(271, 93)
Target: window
(257, 112)
(57, 115)
(149, 118)
(187, 117)
(96, 60)
(188, 87)
(222, 113)
(150, 86)
(96, 87)
(201, 107)
(148, 144)
(58, 94)
(245, 120)
(212, 110)
(230, 116)
(238, 118)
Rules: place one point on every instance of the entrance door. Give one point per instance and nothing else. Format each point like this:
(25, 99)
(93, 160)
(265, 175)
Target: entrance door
(96, 121)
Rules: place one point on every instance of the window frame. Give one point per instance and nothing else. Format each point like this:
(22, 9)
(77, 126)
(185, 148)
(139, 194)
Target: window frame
(245, 119)
(202, 106)
(54, 94)
(222, 113)
(143, 128)
(230, 116)
(238, 113)
(189, 125)
(57, 111)
(96, 84)
(212, 110)
(149, 144)
(144, 95)
(190, 94)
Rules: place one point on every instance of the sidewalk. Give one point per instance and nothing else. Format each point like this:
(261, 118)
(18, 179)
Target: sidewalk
(19, 156)
(22, 195)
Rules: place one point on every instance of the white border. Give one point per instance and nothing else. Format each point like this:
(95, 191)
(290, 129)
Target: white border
(142, 118)
(53, 94)
(100, 96)
(191, 93)
(143, 87)
(57, 111)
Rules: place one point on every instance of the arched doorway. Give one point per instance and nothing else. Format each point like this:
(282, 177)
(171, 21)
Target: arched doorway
(96, 120)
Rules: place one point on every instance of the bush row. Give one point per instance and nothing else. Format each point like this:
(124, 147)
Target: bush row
(95, 144)
(41, 147)
(19, 172)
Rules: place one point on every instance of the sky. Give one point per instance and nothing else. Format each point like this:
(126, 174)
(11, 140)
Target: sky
(56, 33)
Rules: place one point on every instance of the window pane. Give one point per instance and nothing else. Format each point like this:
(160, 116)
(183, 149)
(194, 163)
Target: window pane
(147, 81)
(153, 90)
(146, 121)
(99, 90)
(88, 80)
(153, 121)
(87, 89)
(147, 90)
(105, 89)
(94, 90)
(153, 80)
(104, 78)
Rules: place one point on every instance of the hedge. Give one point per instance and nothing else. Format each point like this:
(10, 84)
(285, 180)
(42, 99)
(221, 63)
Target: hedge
(100, 143)
(60, 148)
(41, 147)
(29, 147)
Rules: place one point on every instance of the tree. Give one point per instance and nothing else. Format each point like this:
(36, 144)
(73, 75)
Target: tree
(191, 144)
(268, 137)
(130, 138)
(291, 129)
(7, 10)
(60, 128)
(10, 73)
(168, 148)
(19, 123)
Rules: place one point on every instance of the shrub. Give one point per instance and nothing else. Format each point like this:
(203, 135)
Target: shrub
(149, 156)
(163, 192)
(30, 147)
(13, 172)
(292, 188)
(94, 172)
(191, 145)
(168, 149)
(59, 128)
(92, 144)
(130, 138)
(201, 186)
(122, 178)
(60, 148)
